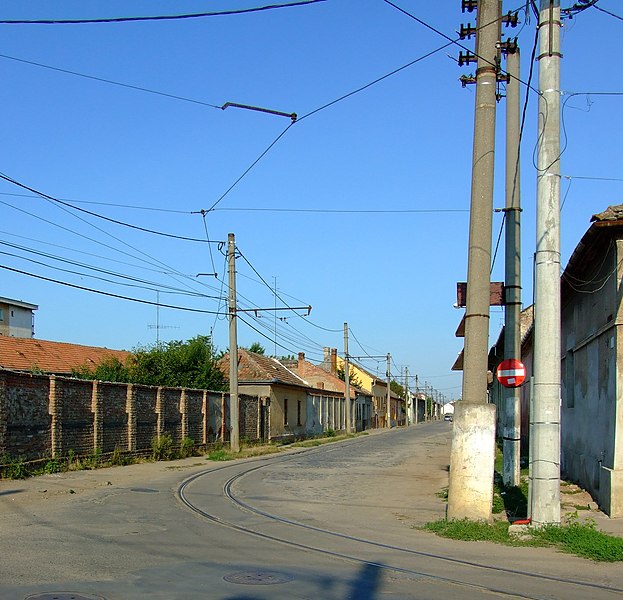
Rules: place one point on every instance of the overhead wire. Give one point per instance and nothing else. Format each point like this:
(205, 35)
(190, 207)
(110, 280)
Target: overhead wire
(99, 216)
(175, 17)
(103, 293)
(85, 253)
(161, 287)
(147, 258)
(113, 204)
(603, 10)
(110, 81)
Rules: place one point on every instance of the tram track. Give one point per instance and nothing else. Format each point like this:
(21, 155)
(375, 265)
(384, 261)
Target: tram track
(452, 562)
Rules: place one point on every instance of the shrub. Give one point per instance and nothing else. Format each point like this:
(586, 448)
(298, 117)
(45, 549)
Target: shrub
(187, 447)
(162, 448)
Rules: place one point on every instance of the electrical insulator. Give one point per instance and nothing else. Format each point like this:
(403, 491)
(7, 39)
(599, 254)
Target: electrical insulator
(467, 31)
(467, 79)
(510, 19)
(469, 5)
(509, 46)
(465, 59)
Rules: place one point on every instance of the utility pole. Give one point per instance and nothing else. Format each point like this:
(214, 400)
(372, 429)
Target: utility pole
(511, 435)
(545, 417)
(234, 425)
(417, 399)
(389, 393)
(347, 380)
(407, 407)
(472, 455)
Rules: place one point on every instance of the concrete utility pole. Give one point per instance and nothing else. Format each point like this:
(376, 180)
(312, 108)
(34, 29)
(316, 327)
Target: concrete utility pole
(389, 393)
(511, 437)
(545, 419)
(234, 425)
(347, 380)
(472, 456)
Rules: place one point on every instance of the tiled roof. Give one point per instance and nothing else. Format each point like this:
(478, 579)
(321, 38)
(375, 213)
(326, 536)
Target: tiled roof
(258, 368)
(26, 354)
(318, 377)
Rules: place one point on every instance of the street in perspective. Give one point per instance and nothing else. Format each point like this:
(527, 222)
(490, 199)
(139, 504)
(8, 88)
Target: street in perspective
(313, 300)
(337, 521)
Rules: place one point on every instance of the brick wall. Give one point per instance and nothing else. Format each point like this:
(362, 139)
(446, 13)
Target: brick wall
(25, 421)
(43, 416)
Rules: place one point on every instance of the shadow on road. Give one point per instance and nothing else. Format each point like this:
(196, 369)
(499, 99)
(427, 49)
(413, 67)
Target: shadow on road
(366, 585)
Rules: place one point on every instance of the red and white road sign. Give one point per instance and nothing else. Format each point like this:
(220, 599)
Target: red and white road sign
(511, 372)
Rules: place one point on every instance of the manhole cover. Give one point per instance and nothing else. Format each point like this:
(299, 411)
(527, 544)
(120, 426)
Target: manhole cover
(63, 596)
(258, 578)
(144, 490)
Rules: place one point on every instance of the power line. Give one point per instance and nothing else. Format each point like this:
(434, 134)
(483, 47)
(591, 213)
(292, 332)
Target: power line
(103, 217)
(110, 294)
(378, 80)
(347, 211)
(257, 160)
(457, 40)
(603, 10)
(167, 288)
(158, 17)
(113, 204)
(109, 81)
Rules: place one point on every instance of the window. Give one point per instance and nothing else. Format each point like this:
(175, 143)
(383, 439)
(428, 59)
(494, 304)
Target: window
(569, 378)
(1, 315)
(298, 413)
(285, 412)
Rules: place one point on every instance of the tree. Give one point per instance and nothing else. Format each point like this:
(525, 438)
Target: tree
(257, 348)
(352, 377)
(190, 364)
(395, 387)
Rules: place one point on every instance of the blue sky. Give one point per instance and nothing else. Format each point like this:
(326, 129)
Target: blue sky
(369, 195)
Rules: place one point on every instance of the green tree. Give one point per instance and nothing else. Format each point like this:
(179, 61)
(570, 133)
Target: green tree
(190, 364)
(352, 377)
(395, 387)
(257, 348)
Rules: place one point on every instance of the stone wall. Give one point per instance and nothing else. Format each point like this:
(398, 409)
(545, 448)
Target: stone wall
(45, 416)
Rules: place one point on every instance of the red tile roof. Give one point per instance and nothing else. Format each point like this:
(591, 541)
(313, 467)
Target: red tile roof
(26, 354)
(258, 368)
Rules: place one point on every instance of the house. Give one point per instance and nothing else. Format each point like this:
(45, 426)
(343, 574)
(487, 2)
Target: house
(592, 362)
(374, 385)
(58, 358)
(289, 406)
(319, 378)
(591, 419)
(17, 318)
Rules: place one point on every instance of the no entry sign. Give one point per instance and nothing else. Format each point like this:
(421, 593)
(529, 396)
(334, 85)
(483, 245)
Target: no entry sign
(511, 372)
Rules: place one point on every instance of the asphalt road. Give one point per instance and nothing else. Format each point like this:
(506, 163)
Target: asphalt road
(335, 522)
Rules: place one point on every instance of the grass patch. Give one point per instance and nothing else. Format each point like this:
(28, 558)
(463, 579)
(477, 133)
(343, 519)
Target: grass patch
(583, 540)
(580, 539)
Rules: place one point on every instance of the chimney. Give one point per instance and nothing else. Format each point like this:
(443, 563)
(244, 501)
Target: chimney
(301, 361)
(334, 361)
